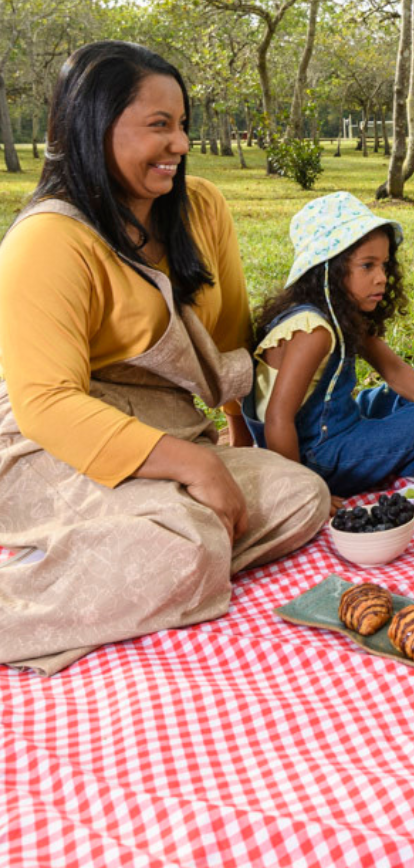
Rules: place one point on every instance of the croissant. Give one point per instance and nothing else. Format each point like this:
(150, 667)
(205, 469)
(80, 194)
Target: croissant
(401, 631)
(365, 608)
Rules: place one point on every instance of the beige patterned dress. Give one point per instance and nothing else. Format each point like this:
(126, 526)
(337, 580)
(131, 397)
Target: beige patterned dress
(144, 556)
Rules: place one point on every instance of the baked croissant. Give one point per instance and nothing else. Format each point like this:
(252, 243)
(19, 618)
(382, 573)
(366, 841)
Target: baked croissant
(365, 608)
(401, 631)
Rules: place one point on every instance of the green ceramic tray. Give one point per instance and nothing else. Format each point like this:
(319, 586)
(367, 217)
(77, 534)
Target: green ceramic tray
(319, 608)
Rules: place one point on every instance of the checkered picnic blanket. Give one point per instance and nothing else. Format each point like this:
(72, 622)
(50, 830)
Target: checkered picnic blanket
(246, 742)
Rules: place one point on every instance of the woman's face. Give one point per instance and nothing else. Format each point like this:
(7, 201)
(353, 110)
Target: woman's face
(147, 141)
(366, 280)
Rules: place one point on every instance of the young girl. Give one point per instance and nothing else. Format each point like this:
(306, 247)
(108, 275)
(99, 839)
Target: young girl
(344, 285)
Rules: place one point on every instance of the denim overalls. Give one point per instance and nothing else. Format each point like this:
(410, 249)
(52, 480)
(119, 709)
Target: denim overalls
(353, 444)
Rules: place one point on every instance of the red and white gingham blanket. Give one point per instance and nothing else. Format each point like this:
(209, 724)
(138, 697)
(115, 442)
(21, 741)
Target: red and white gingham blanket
(247, 742)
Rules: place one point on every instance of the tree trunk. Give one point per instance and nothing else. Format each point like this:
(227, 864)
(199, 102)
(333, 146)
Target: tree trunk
(364, 127)
(203, 131)
(249, 125)
(376, 135)
(315, 129)
(212, 127)
(18, 123)
(408, 166)
(226, 149)
(242, 161)
(394, 186)
(338, 144)
(294, 129)
(387, 149)
(264, 74)
(35, 132)
(265, 84)
(10, 153)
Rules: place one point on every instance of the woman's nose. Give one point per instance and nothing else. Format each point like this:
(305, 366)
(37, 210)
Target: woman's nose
(179, 143)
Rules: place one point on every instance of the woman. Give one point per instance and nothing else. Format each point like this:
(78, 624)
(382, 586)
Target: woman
(122, 296)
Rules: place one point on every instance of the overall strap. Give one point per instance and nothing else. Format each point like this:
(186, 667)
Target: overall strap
(292, 311)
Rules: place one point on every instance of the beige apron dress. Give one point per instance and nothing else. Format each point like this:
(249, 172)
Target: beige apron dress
(143, 557)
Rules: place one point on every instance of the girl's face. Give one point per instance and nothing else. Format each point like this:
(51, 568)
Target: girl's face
(366, 279)
(145, 144)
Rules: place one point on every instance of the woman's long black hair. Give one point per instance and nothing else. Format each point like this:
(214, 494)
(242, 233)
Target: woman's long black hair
(95, 85)
(355, 324)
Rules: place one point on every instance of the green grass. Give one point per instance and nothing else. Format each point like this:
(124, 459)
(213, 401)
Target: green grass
(15, 188)
(262, 208)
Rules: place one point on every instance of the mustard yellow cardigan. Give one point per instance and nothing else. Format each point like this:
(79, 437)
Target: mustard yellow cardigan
(69, 306)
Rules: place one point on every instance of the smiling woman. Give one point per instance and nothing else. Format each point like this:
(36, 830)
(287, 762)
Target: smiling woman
(136, 302)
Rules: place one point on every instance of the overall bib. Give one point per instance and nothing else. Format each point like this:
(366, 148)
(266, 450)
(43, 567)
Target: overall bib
(145, 556)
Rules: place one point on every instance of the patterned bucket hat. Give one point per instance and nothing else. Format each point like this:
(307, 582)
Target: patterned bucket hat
(327, 226)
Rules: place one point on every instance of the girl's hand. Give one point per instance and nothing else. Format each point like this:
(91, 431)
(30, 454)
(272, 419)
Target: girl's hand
(204, 476)
(336, 503)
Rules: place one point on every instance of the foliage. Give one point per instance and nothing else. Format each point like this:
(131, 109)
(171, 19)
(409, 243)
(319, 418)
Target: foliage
(299, 159)
(214, 43)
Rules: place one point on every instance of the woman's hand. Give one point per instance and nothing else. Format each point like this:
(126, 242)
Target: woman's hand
(204, 476)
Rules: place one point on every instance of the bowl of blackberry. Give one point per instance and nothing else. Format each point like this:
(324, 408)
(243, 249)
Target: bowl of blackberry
(376, 534)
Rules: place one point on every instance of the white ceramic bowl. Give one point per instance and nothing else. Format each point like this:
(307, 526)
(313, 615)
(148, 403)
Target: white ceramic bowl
(372, 549)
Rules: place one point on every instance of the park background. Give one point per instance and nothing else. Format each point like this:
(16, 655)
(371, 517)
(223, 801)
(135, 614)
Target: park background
(290, 100)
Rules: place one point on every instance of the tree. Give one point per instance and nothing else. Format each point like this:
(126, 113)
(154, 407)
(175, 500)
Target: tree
(394, 186)
(408, 166)
(217, 66)
(7, 26)
(294, 129)
(271, 13)
(35, 37)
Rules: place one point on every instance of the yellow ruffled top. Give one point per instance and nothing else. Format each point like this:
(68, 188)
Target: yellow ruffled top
(306, 321)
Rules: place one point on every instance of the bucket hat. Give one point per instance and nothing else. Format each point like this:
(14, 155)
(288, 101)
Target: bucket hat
(327, 226)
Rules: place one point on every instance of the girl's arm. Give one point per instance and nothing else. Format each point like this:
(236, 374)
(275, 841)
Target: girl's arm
(296, 360)
(397, 373)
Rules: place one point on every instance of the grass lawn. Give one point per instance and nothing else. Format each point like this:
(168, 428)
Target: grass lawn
(262, 208)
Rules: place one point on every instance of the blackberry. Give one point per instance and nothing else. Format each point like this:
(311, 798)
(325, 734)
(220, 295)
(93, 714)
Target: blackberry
(388, 513)
(377, 513)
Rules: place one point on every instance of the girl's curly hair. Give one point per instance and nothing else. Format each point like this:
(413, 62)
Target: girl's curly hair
(354, 323)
